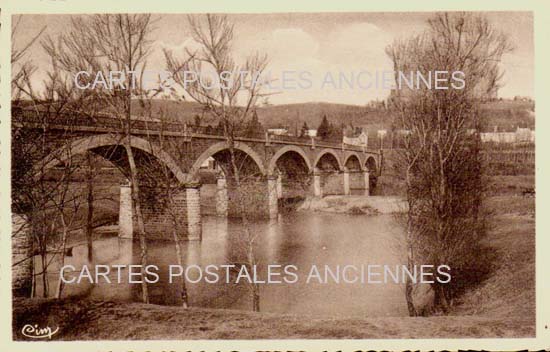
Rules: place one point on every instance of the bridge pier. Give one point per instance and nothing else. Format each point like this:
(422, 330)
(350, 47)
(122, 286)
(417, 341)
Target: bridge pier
(21, 255)
(222, 198)
(347, 190)
(366, 177)
(158, 220)
(332, 182)
(194, 225)
(256, 196)
(317, 190)
(125, 213)
(273, 195)
(279, 185)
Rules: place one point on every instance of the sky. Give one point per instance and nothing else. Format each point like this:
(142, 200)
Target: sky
(320, 44)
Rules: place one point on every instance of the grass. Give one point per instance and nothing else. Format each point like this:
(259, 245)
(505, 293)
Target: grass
(501, 306)
(86, 320)
(510, 185)
(510, 291)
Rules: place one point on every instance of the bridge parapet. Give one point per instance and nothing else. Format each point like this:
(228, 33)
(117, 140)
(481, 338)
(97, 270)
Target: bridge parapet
(105, 123)
(55, 120)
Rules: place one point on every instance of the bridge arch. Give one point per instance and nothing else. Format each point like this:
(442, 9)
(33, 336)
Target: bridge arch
(82, 145)
(284, 150)
(221, 146)
(370, 165)
(353, 157)
(327, 151)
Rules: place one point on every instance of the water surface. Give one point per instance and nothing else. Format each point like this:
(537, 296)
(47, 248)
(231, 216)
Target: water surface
(301, 239)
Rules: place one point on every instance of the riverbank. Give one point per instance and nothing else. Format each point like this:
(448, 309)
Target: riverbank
(371, 205)
(87, 320)
(502, 306)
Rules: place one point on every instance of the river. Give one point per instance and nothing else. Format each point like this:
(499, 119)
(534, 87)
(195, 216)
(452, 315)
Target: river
(301, 239)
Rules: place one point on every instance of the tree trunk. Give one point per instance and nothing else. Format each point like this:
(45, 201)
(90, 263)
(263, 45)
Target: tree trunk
(44, 273)
(184, 298)
(409, 283)
(244, 218)
(440, 299)
(410, 262)
(90, 202)
(139, 218)
(255, 286)
(59, 289)
(33, 272)
(134, 180)
(255, 297)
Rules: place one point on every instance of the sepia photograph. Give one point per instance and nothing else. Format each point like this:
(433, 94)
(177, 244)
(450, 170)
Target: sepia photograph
(284, 175)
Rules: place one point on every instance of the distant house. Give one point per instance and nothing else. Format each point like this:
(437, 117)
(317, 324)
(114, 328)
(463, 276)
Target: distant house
(525, 135)
(521, 98)
(360, 140)
(209, 164)
(278, 131)
(403, 132)
(520, 135)
(358, 136)
(498, 137)
(311, 133)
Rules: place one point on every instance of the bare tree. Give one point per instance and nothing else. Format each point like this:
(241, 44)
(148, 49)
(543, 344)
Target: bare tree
(105, 44)
(66, 204)
(22, 69)
(90, 174)
(441, 160)
(37, 195)
(232, 103)
(165, 184)
(45, 196)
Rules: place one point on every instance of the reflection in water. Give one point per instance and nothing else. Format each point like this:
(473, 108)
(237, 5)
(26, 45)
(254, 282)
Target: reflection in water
(300, 239)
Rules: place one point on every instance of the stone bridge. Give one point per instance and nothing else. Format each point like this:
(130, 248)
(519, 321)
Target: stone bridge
(271, 167)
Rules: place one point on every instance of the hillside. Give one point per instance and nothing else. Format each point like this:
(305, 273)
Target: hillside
(509, 114)
(505, 114)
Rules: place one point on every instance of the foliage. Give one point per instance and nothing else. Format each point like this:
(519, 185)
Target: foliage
(441, 160)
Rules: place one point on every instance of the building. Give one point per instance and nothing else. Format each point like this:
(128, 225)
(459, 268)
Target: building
(209, 164)
(311, 133)
(520, 135)
(358, 136)
(278, 131)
